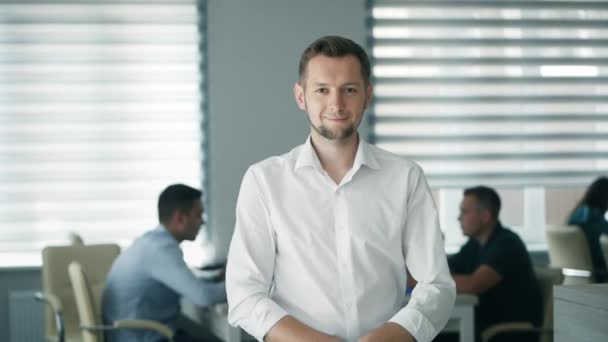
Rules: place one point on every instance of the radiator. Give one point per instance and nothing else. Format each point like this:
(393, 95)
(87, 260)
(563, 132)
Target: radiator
(26, 317)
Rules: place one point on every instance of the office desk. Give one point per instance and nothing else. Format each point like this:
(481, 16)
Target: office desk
(213, 318)
(462, 319)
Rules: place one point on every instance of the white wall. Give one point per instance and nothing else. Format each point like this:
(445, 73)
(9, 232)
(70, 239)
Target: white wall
(254, 49)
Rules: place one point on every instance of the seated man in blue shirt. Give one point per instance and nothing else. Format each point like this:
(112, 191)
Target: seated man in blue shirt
(494, 265)
(147, 280)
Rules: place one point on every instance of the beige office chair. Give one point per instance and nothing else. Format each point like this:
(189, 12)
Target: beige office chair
(90, 314)
(61, 319)
(547, 278)
(569, 250)
(604, 246)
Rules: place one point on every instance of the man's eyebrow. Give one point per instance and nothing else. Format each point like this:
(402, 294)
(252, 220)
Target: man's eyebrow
(323, 84)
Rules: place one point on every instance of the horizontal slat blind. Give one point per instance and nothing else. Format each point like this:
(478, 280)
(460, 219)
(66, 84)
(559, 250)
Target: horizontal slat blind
(100, 109)
(498, 92)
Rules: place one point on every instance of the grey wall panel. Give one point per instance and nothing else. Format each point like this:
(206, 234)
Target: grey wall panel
(254, 49)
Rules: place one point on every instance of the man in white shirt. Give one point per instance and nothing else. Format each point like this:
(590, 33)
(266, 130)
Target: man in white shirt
(324, 233)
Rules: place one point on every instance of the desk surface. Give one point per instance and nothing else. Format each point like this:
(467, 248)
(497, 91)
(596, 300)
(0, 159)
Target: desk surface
(466, 299)
(461, 299)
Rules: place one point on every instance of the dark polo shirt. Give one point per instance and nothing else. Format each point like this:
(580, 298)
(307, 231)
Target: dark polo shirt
(517, 297)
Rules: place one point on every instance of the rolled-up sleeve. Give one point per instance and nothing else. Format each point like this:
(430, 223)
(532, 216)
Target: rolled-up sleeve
(251, 262)
(432, 300)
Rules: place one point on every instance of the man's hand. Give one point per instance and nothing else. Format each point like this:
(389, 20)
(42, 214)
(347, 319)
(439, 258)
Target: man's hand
(289, 329)
(388, 332)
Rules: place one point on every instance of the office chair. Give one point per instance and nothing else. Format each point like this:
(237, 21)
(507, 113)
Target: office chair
(569, 250)
(61, 319)
(547, 278)
(90, 314)
(75, 239)
(604, 246)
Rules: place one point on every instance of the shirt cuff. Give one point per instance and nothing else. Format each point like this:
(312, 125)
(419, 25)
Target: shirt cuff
(415, 322)
(268, 313)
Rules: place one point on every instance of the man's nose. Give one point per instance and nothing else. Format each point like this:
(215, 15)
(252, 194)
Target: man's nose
(337, 102)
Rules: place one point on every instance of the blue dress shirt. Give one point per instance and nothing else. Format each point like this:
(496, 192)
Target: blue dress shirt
(146, 282)
(593, 223)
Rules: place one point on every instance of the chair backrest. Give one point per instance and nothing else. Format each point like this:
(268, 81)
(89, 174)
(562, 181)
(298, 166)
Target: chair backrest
(88, 313)
(55, 279)
(568, 248)
(604, 246)
(547, 278)
(75, 239)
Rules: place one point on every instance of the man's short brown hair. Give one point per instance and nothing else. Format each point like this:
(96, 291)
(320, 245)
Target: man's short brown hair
(335, 46)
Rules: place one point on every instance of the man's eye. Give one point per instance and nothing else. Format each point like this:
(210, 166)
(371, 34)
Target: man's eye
(322, 90)
(351, 90)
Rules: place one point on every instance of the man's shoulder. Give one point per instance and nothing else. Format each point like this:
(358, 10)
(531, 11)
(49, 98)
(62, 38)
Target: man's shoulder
(150, 243)
(277, 162)
(508, 239)
(391, 159)
(507, 233)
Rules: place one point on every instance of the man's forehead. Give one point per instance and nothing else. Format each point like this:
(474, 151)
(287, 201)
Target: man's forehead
(322, 63)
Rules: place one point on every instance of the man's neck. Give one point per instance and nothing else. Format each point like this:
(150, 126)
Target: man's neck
(173, 232)
(487, 232)
(336, 156)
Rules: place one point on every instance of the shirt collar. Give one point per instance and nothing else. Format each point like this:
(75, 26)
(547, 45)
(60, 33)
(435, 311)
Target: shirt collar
(163, 231)
(307, 156)
(364, 156)
(494, 233)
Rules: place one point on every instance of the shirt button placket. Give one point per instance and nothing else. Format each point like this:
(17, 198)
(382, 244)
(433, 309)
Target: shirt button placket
(343, 247)
(341, 257)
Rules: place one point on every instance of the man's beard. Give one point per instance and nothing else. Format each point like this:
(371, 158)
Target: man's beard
(334, 134)
(328, 133)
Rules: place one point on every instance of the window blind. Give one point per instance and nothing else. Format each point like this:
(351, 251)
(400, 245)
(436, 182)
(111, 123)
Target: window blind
(100, 109)
(496, 92)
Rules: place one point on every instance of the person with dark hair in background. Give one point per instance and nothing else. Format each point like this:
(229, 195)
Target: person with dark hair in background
(148, 279)
(591, 215)
(494, 265)
(324, 233)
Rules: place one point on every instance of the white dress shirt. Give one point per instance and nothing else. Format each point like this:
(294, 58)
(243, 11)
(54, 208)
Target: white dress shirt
(334, 256)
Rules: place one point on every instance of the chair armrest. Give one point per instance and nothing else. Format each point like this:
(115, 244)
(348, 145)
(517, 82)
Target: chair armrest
(501, 328)
(133, 324)
(51, 300)
(144, 324)
(55, 304)
(221, 309)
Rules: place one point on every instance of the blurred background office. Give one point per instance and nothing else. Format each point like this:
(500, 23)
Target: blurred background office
(104, 103)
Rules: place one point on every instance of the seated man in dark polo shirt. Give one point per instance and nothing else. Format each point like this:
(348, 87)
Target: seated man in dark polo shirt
(494, 265)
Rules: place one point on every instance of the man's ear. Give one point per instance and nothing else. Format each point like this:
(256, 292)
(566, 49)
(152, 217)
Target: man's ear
(486, 215)
(298, 94)
(177, 217)
(369, 93)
